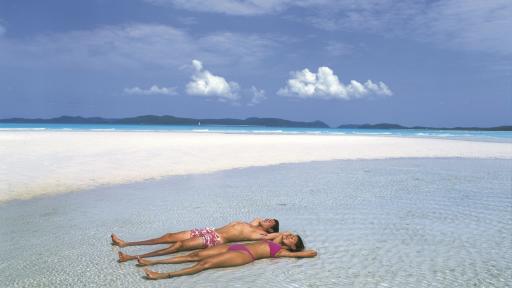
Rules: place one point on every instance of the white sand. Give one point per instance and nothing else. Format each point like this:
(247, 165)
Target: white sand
(37, 163)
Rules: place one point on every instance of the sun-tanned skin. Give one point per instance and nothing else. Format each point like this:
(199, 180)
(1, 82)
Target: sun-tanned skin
(168, 238)
(236, 231)
(220, 256)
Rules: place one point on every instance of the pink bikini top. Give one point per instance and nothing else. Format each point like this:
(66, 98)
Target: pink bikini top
(273, 247)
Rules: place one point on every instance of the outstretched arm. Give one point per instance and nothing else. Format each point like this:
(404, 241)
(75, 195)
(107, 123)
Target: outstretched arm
(272, 236)
(263, 236)
(301, 254)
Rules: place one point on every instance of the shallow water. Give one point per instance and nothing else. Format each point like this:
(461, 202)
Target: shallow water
(374, 223)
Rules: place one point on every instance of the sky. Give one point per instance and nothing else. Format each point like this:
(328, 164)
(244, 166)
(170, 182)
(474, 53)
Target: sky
(431, 63)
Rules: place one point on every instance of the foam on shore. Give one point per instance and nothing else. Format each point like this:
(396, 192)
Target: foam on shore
(48, 162)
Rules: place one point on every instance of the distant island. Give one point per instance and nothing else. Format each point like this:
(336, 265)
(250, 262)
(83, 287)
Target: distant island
(172, 120)
(396, 126)
(252, 121)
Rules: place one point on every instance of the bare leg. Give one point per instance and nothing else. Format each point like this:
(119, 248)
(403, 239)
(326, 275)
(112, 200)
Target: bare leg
(189, 244)
(191, 257)
(165, 239)
(226, 259)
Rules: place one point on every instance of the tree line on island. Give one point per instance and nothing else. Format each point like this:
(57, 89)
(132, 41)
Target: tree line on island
(251, 121)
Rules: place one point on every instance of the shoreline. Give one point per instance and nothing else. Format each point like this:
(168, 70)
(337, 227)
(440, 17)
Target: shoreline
(320, 132)
(168, 178)
(51, 162)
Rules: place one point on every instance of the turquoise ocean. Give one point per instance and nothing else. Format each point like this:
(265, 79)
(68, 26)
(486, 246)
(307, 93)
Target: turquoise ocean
(494, 136)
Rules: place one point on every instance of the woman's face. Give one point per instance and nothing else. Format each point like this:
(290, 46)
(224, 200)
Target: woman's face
(290, 240)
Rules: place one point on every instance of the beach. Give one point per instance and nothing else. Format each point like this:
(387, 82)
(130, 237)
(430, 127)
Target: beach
(380, 211)
(378, 131)
(38, 163)
(375, 223)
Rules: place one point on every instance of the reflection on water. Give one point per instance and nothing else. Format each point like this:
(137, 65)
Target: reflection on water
(375, 223)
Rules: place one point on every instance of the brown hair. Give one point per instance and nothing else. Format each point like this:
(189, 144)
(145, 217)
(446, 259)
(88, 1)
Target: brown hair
(275, 228)
(299, 246)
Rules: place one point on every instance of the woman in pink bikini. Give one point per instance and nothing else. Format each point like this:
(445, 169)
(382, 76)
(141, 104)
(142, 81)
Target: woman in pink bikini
(257, 229)
(285, 245)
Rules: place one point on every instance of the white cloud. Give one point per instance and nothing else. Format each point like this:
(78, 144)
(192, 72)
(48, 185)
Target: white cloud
(153, 90)
(325, 84)
(457, 24)
(134, 46)
(231, 7)
(380, 89)
(204, 83)
(258, 96)
(368, 16)
(467, 24)
(2, 30)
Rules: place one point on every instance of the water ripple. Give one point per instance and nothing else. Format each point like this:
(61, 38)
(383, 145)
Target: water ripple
(379, 223)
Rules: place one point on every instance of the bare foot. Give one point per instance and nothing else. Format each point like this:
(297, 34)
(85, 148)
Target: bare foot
(124, 257)
(143, 262)
(152, 275)
(117, 241)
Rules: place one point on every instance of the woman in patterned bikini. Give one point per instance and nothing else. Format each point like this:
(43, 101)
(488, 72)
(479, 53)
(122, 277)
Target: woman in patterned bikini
(285, 245)
(204, 238)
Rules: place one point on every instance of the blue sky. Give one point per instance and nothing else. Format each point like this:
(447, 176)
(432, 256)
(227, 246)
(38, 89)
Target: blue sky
(435, 63)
